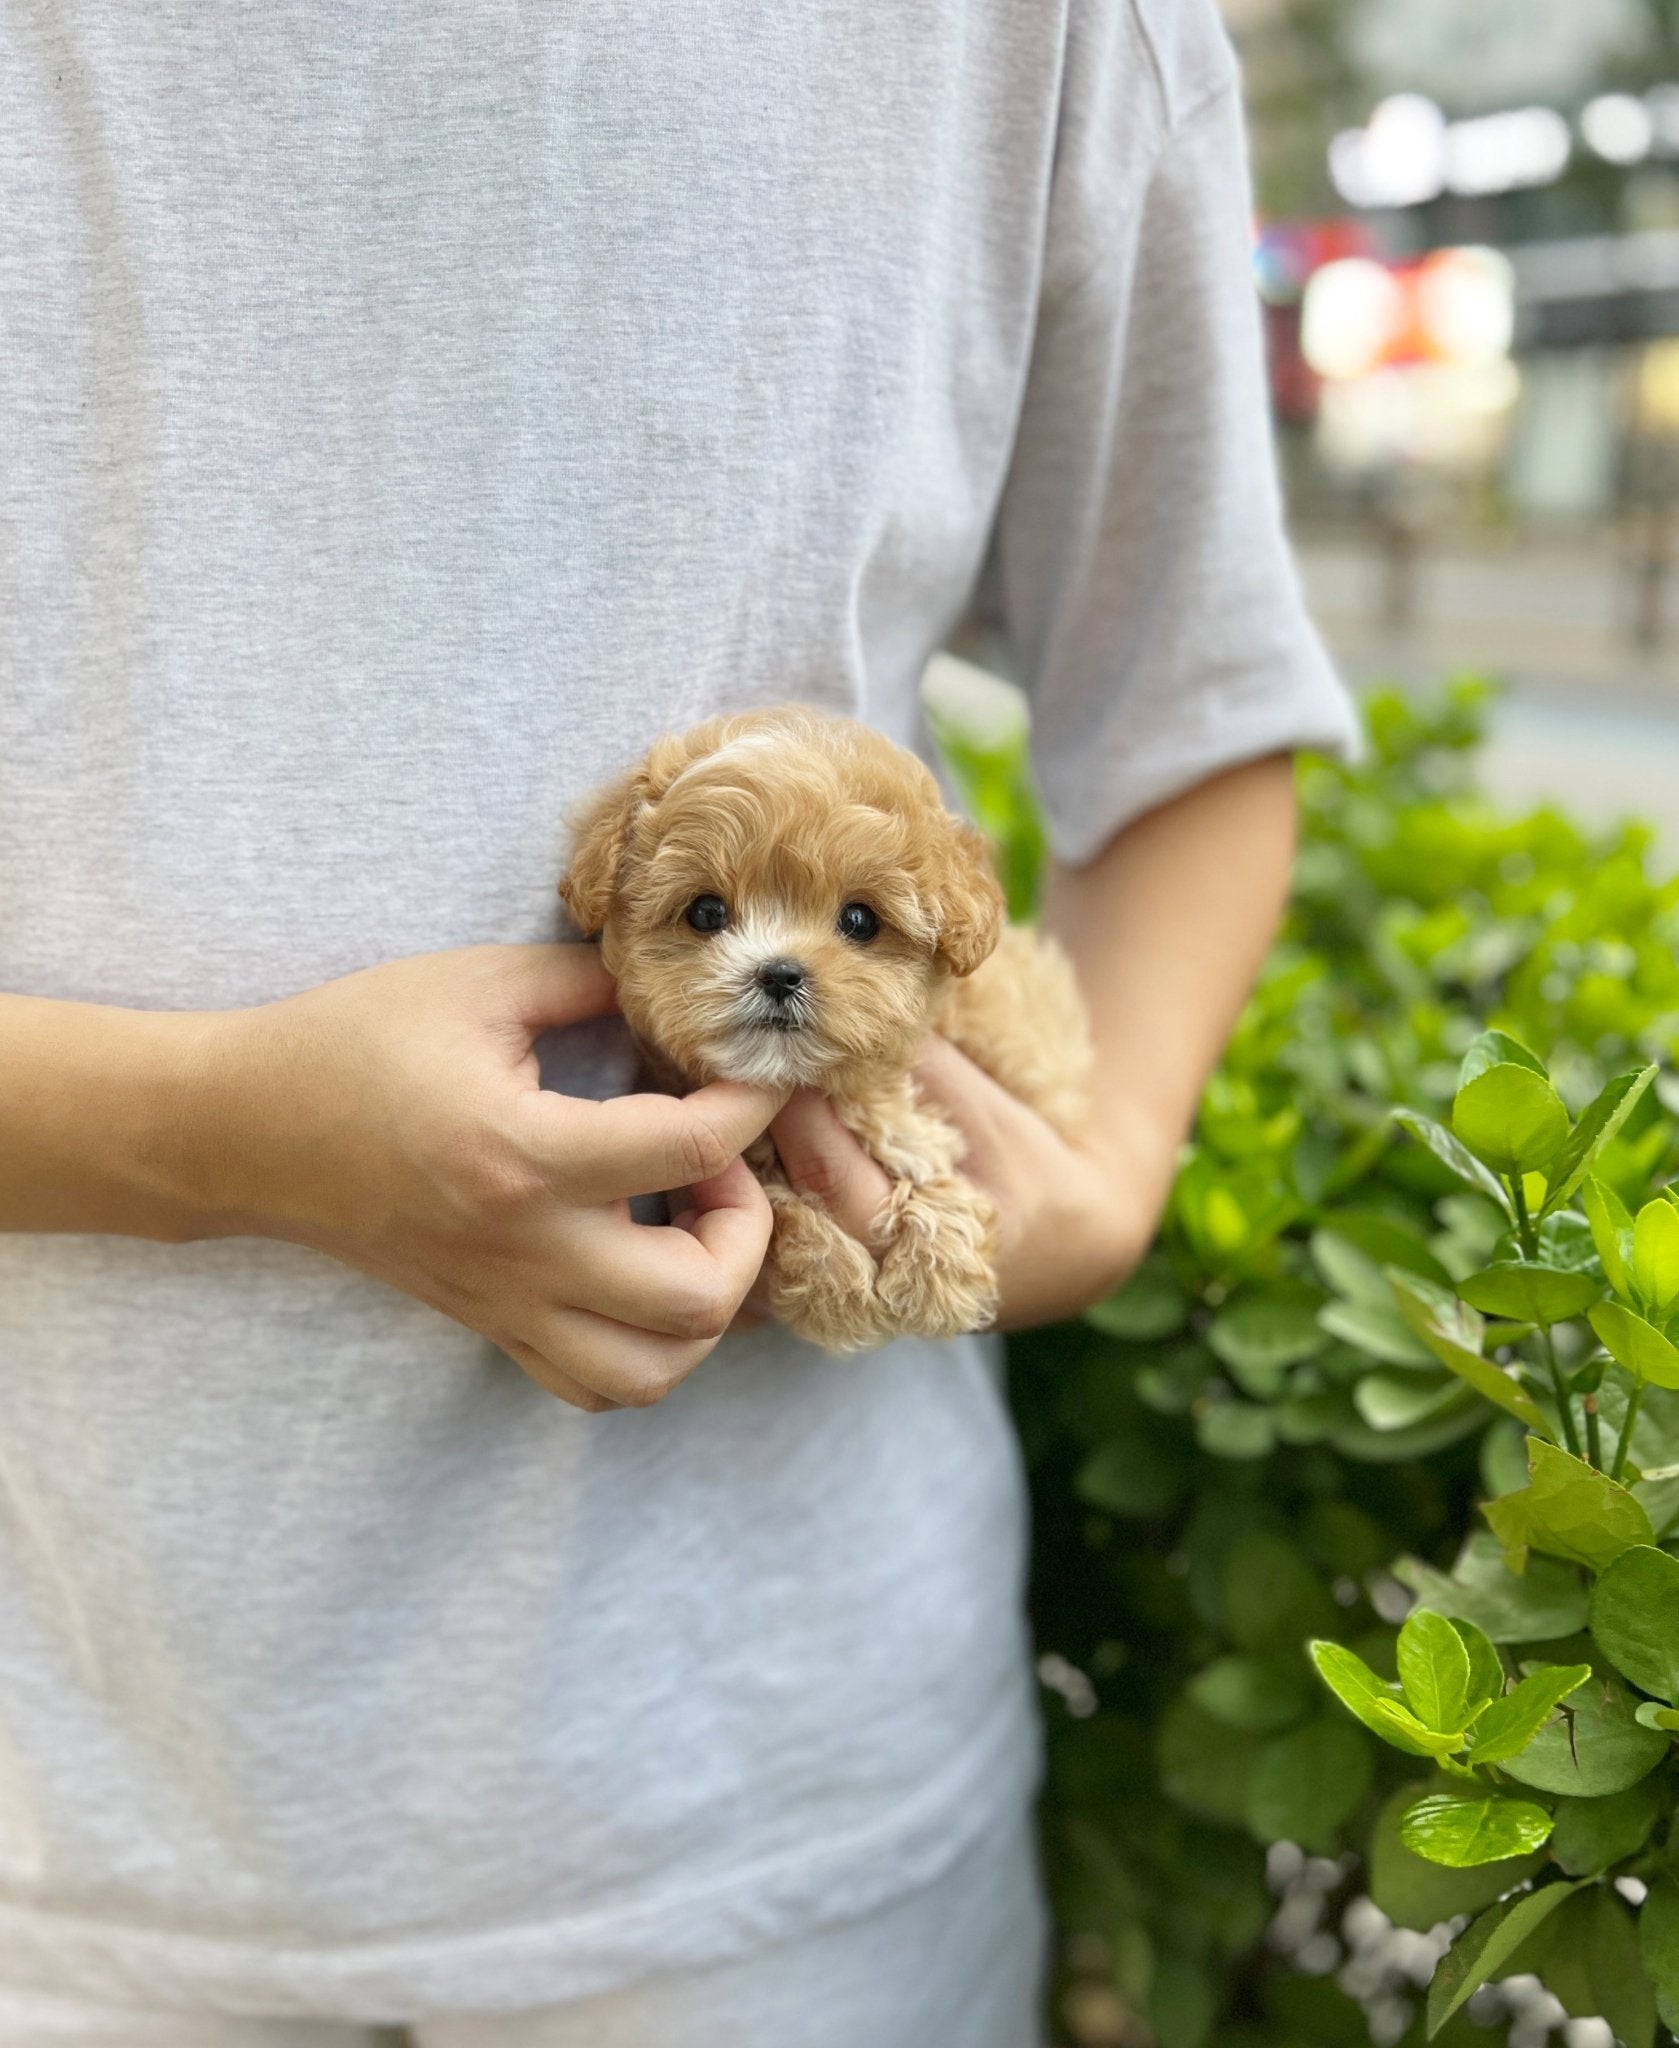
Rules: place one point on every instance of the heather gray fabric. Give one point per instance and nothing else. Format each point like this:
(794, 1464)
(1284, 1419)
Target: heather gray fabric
(406, 411)
(956, 1963)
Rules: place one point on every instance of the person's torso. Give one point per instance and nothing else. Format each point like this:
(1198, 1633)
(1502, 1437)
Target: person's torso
(405, 412)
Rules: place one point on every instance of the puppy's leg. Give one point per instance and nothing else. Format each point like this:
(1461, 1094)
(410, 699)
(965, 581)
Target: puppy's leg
(936, 1238)
(818, 1280)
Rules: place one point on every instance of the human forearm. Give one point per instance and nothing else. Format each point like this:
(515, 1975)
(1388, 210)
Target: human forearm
(97, 1115)
(1167, 930)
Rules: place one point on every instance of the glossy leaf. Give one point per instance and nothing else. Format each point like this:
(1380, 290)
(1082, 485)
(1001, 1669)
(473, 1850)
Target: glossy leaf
(1496, 1049)
(1506, 1727)
(1524, 1293)
(1546, 1601)
(1652, 1714)
(1593, 1746)
(1511, 1118)
(1417, 1893)
(1375, 1703)
(1434, 1670)
(1591, 1834)
(1462, 1829)
(1655, 1255)
(1635, 1619)
(1568, 1510)
(1597, 1124)
(1633, 1343)
(1485, 1946)
(1454, 1334)
(1486, 1673)
(1453, 1153)
(1611, 1229)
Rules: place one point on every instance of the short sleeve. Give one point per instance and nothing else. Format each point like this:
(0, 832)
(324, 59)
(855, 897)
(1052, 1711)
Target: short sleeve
(1140, 564)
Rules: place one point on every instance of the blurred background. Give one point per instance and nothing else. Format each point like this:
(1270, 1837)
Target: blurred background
(1467, 245)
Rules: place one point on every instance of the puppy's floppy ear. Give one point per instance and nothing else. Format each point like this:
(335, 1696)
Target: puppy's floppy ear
(967, 899)
(599, 842)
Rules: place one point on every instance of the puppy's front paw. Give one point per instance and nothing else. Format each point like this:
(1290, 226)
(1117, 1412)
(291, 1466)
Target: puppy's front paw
(937, 1246)
(819, 1280)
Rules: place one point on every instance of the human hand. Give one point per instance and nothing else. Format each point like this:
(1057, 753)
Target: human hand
(393, 1119)
(1073, 1220)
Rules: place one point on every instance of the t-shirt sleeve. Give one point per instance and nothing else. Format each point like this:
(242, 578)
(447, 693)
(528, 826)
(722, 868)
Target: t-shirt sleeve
(1140, 565)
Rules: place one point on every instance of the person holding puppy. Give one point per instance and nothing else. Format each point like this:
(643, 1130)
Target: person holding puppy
(418, 1606)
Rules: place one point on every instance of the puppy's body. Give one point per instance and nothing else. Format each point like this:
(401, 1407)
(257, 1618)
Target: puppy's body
(782, 897)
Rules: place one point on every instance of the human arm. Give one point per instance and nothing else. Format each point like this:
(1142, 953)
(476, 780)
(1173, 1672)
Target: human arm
(393, 1119)
(1166, 930)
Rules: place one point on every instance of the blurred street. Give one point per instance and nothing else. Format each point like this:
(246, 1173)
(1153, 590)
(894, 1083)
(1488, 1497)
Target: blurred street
(1589, 718)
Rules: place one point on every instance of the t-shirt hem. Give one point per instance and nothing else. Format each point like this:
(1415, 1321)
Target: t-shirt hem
(546, 1961)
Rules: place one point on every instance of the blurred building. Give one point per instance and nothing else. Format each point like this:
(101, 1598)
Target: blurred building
(1468, 248)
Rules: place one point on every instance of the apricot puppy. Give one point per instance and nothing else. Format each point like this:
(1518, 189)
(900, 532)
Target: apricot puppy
(782, 897)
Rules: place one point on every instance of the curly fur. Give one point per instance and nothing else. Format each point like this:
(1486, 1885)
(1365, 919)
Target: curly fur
(787, 815)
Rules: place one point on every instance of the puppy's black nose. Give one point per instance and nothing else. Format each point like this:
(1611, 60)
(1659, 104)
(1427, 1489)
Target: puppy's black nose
(781, 980)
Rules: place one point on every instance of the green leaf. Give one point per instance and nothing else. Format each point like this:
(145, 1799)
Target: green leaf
(1511, 1118)
(1453, 1154)
(1594, 1745)
(1269, 1597)
(1249, 1692)
(1462, 1829)
(1592, 1834)
(1569, 1510)
(1587, 1958)
(1417, 1893)
(1486, 1673)
(1611, 1233)
(1508, 1725)
(1655, 1255)
(1634, 1343)
(1434, 1670)
(1545, 1602)
(1235, 1429)
(1380, 1242)
(1377, 1331)
(1485, 1946)
(1524, 1293)
(1203, 1764)
(1454, 1333)
(1496, 1049)
(1653, 1715)
(1402, 1400)
(1658, 1946)
(1635, 1619)
(1258, 1336)
(1151, 1304)
(1130, 1476)
(1377, 1705)
(1305, 1784)
(1597, 1124)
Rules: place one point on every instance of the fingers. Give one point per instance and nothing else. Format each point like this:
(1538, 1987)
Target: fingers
(687, 1279)
(557, 985)
(595, 1363)
(645, 1144)
(995, 1127)
(822, 1159)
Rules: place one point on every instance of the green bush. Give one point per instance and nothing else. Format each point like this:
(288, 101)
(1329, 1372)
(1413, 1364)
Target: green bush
(1403, 1343)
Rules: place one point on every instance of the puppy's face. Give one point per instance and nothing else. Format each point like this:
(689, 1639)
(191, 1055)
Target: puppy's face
(779, 896)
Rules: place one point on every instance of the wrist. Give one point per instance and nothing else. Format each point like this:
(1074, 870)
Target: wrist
(195, 1151)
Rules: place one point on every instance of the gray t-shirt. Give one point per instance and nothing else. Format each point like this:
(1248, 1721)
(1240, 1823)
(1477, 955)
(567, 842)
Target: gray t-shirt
(405, 413)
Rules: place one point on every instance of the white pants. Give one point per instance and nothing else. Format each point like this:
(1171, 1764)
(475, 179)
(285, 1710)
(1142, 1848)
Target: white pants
(954, 1965)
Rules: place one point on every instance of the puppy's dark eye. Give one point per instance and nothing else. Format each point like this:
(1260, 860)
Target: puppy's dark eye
(858, 923)
(708, 913)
